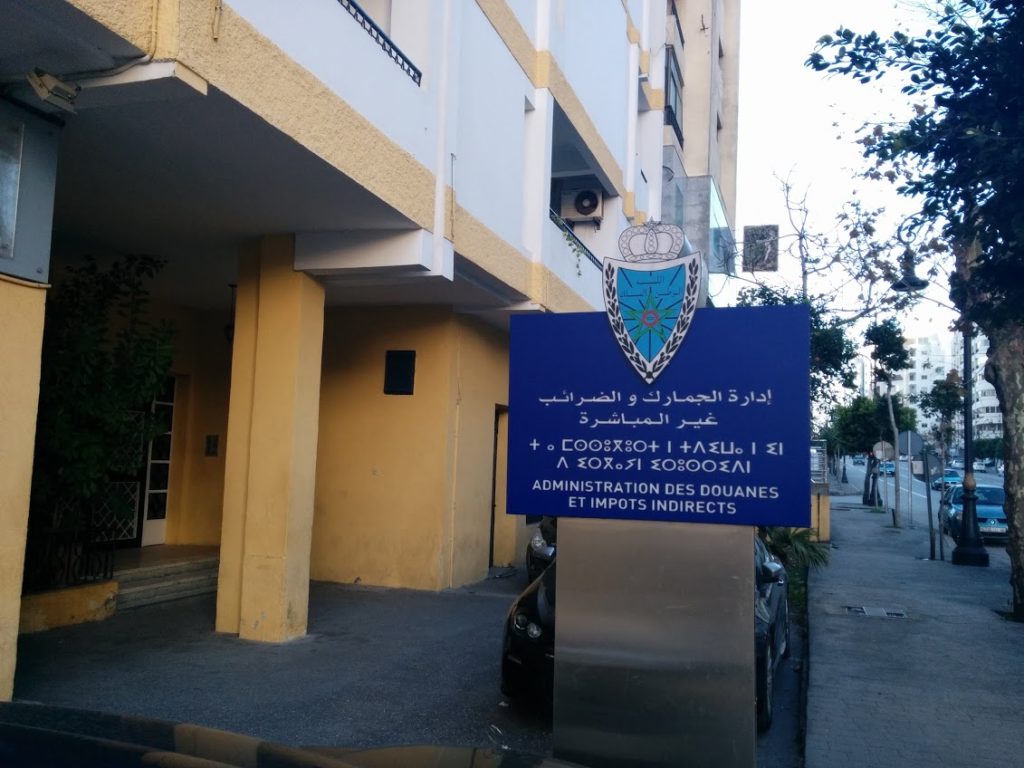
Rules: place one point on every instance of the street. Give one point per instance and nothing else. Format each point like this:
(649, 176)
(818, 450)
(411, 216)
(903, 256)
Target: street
(914, 506)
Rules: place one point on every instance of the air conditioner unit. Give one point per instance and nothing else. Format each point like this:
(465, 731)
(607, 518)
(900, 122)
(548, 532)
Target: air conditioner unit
(582, 204)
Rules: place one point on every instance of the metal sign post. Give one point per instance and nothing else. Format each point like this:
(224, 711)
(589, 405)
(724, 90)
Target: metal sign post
(915, 445)
(928, 499)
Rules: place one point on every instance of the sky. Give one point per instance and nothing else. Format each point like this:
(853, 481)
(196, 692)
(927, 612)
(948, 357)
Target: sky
(799, 125)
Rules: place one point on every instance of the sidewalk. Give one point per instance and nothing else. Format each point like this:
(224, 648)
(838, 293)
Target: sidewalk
(910, 664)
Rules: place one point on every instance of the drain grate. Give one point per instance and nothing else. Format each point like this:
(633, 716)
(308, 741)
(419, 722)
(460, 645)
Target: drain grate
(883, 613)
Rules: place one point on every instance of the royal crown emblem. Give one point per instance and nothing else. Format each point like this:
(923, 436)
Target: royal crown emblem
(651, 294)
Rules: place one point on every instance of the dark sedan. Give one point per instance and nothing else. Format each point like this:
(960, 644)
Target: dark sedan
(989, 510)
(528, 655)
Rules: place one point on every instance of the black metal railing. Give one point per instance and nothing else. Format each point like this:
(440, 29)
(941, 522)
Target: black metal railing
(59, 558)
(574, 242)
(382, 39)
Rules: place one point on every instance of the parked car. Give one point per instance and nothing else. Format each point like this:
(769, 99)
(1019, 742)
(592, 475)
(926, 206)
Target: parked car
(887, 468)
(989, 509)
(957, 463)
(979, 465)
(949, 476)
(859, 461)
(540, 550)
(528, 652)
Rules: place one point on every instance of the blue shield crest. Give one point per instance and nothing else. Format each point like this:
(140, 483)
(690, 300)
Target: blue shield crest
(650, 295)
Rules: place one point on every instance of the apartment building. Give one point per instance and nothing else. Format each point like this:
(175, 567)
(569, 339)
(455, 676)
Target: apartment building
(987, 420)
(352, 200)
(930, 358)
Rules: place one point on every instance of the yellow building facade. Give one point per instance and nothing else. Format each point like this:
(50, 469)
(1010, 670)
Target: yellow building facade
(347, 226)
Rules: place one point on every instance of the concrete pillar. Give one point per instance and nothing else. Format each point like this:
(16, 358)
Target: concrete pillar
(273, 416)
(22, 306)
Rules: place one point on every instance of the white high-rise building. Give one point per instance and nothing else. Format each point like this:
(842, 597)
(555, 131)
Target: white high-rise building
(988, 419)
(930, 361)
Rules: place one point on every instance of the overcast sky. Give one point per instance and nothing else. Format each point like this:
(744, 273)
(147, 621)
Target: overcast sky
(798, 124)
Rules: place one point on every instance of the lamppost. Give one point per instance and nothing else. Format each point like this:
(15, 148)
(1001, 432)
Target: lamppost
(969, 549)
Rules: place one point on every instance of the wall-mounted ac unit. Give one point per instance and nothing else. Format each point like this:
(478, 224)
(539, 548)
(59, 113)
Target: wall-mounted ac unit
(582, 204)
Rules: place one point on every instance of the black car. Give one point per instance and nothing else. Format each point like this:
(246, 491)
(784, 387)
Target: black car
(540, 550)
(528, 655)
(771, 626)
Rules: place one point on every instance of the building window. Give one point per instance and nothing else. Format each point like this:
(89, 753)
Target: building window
(399, 371)
(673, 94)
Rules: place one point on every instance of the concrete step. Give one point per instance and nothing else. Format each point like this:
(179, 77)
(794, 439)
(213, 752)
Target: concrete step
(159, 584)
(165, 570)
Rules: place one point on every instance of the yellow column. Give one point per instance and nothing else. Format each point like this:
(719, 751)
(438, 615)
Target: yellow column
(271, 447)
(21, 317)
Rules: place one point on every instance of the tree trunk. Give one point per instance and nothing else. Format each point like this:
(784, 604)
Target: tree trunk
(895, 458)
(1005, 371)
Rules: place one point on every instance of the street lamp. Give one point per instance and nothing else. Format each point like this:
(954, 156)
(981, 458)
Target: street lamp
(969, 549)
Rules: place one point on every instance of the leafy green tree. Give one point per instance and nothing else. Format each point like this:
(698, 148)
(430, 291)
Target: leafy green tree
(855, 425)
(832, 352)
(943, 401)
(103, 362)
(890, 356)
(988, 447)
(861, 423)
(960, 153)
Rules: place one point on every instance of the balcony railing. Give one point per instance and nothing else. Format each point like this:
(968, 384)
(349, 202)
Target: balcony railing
(382, 39)
(574, 242)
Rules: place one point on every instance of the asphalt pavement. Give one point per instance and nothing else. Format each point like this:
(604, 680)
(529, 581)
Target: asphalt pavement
(911, 662)
(379, 667)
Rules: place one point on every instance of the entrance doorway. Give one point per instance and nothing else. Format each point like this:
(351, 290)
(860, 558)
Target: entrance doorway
(499, 474)
(158, 469)
(133, 511)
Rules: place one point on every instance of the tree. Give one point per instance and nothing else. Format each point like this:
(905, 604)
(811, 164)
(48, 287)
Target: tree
(890, 356)
(103, 362)
(988, 447)
(943, 401)
(832, 352)
(861, 423)
(959, 152)
(856, 425)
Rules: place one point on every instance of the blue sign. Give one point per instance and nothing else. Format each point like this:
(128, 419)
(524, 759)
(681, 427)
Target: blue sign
(722, 436)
